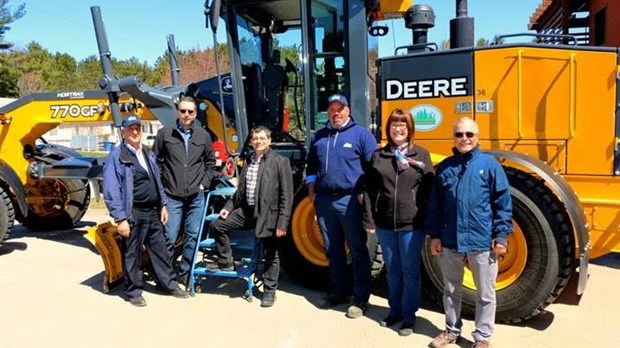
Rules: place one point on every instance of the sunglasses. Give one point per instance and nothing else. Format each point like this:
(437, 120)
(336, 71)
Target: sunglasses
(186, 111)
(469, 135)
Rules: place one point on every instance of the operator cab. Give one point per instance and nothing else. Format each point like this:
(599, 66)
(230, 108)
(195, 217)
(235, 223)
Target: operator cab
(286, 58)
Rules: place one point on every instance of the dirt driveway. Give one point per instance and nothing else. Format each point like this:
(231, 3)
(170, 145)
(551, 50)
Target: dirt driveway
(51, 296)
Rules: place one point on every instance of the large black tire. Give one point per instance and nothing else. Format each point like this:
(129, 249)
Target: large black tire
(306, 272)
(57, 204)
(548, 252)
(7, 215)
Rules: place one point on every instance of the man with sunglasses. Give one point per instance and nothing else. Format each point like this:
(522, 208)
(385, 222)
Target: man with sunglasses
(185, 156)
(469, 219)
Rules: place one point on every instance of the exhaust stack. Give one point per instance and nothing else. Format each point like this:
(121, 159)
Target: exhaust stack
(461, 27)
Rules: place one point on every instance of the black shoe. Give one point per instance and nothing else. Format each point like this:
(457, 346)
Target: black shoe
(184, 281)
(390, 320)
(137, 301)
(220, 267)
(269, 298)
(406, 329)
(332, 300)
(178, 293)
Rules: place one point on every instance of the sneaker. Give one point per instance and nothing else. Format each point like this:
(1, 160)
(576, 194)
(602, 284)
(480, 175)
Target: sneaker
(220, 267)
(390, 320)
(332, 300)
(357, 310)
(269, 298)
(178, 293)
(406, 329)
(481, 344)
(443, 339)
(138, 301)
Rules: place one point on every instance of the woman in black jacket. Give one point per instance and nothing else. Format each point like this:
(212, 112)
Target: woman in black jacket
(397, 189)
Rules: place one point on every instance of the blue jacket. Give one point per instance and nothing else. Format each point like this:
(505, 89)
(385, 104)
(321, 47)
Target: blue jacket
(470, 203)
(337, 158)
(118, 173)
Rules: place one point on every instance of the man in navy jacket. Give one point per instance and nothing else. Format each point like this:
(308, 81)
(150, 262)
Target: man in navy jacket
(134, 195)
(469, 217)
(334, 177)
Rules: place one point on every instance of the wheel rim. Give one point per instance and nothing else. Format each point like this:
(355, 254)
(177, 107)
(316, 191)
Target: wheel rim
(48, 198)
(510, 266)
(306, 233)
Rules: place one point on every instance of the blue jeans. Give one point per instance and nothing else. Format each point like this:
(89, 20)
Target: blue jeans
(192, 210)
(340, 221)
(401, 253)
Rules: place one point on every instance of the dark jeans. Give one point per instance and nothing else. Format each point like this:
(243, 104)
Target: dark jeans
(340, 221)
(192, 210)
(147, 230)
(241, 218)
(401, 252)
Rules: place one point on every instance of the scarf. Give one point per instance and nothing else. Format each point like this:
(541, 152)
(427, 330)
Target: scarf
(402, 161)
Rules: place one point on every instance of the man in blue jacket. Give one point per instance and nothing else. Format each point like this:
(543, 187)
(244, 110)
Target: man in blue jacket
(134, 195)
(469, 218)
(334, 177)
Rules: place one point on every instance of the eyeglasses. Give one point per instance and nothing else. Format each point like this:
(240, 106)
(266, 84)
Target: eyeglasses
(186, 111)
(469, 135)
(398, 125)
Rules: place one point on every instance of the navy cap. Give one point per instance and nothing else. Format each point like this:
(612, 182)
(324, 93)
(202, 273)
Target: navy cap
(338, 98)
(130, 119)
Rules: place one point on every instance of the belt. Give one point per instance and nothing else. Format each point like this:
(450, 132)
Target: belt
(146, 206)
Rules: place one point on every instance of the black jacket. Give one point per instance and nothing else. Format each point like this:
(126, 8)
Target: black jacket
(182, 174)
(273, 195)
(397, 200)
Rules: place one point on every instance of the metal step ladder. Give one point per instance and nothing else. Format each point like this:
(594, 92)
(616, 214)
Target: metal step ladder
(245, 267)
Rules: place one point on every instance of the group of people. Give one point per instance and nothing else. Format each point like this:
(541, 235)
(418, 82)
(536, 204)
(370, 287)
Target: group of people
(463, 204)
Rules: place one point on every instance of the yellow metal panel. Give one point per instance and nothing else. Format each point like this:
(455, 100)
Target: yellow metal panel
(393, 8)
(545, 93)
(600, 197)
(529, 88)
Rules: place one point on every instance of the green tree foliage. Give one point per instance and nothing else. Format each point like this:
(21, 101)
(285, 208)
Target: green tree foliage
(8, 74)
(7, 16)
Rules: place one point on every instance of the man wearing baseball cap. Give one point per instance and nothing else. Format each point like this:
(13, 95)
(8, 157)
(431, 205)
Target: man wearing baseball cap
(334, 176)
(134, 196)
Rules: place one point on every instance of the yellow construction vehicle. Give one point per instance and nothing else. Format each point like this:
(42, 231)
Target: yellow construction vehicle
(549, 113)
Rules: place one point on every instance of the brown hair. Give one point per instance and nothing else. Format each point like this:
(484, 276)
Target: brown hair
(187, 98)
(400, 115)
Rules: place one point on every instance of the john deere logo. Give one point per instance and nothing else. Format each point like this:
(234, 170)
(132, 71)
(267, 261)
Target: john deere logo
(426, 117)
(227, 85)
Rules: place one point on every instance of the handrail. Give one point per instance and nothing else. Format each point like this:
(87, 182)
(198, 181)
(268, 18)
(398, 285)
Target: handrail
(520, 94)
(572, 97)
(537, 35)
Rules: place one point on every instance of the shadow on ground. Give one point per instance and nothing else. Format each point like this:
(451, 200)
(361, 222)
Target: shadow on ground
(73, 236)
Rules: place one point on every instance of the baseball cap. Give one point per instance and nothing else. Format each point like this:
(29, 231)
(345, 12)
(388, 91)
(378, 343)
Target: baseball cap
(130, 119)
(338, 98)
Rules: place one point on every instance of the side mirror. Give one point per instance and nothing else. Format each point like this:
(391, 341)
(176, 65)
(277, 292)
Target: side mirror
(212, 13)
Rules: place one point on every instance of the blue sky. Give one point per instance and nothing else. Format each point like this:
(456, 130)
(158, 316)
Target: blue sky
(138, 28)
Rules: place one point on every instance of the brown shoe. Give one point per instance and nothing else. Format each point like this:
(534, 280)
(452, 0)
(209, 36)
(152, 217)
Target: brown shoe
(481, 344)
(443, 339)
